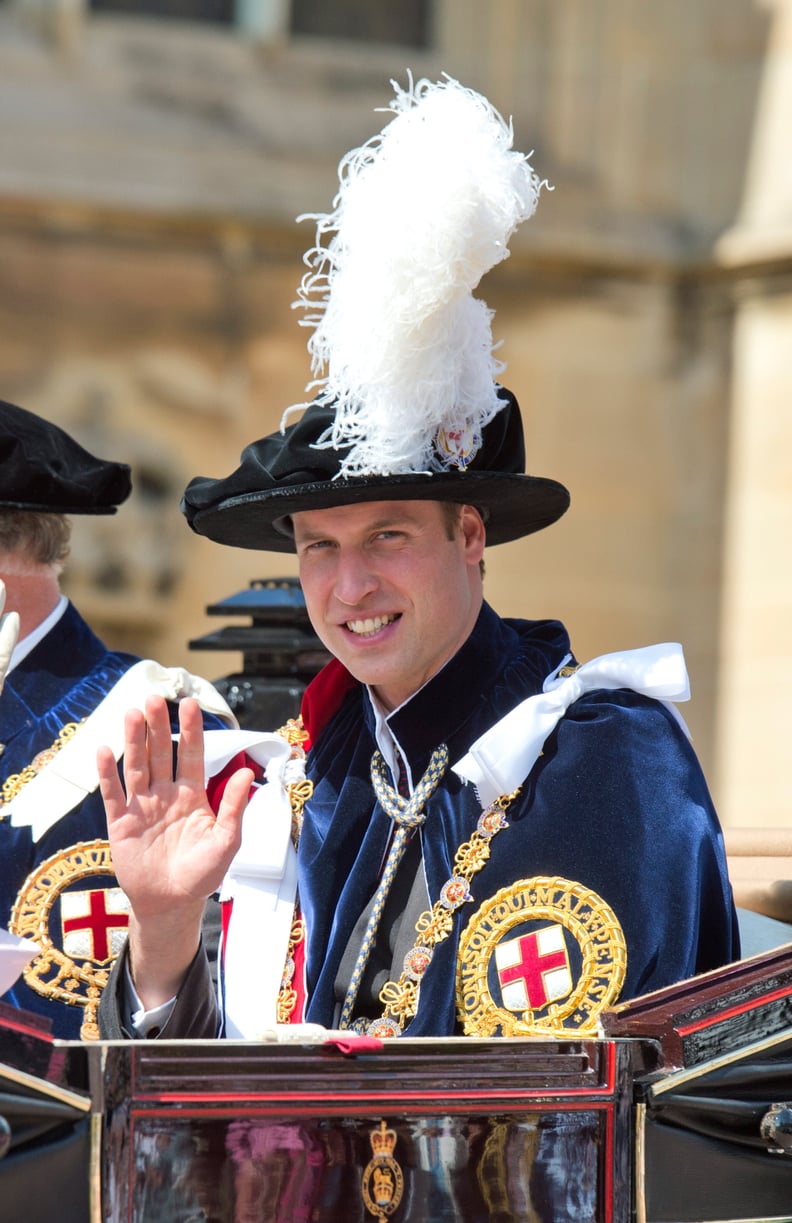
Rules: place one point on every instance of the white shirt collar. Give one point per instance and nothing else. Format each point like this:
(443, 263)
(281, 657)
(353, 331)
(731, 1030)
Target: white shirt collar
(387, 742)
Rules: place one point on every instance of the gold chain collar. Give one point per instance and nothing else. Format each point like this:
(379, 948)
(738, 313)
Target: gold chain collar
(400, 998)
(17, 781)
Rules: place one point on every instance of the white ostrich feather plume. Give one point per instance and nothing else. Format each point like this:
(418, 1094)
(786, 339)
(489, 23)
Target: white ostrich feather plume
(400, 344)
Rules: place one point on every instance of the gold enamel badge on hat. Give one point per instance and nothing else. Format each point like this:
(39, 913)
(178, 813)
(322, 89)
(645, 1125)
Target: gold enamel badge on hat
(80, 929)
(458, 447)
(543, 956)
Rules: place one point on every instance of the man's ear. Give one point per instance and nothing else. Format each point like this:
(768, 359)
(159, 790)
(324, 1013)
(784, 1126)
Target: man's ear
(474, 534)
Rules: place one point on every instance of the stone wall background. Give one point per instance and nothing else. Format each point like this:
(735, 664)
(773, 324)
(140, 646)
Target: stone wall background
(150, 174)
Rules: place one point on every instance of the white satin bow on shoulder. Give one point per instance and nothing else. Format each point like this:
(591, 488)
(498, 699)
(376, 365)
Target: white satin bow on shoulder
(501, 759)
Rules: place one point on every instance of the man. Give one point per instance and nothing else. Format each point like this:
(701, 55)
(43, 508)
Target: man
(497, 841)
(57, 885)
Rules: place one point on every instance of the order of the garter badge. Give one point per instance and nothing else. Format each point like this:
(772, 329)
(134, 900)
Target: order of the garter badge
(543, 956)
(78, 921)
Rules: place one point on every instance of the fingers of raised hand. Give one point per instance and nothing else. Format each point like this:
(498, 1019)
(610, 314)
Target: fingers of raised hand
(159, 741)
(233, 802)
(148, 748)
(136, 765)
(110, 784)
(190, 762)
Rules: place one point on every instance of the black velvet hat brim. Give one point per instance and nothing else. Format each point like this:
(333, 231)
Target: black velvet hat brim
(44, 470)
(290, 471)
(511, 505)
(39, 507)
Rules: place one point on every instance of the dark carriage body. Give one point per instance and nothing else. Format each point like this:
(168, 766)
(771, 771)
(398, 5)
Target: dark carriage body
(675, 1112)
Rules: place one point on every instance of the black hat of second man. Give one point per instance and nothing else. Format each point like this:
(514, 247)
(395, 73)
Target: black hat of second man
(43, 469)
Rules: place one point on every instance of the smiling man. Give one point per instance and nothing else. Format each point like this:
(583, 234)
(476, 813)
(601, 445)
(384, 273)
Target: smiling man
(497, 840)
(392, 589)
(451, 877)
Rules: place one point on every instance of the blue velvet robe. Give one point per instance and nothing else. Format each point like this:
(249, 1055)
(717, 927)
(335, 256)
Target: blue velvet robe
(617, 803)
(61, 680)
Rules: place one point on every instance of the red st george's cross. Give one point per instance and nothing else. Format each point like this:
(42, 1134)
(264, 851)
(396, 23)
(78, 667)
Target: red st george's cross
(91, 913)
(533, 969)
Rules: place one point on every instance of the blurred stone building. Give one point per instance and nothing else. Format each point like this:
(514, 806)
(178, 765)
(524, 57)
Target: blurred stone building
(153, 158)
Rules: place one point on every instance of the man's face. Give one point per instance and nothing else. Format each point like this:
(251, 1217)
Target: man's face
(388, 592)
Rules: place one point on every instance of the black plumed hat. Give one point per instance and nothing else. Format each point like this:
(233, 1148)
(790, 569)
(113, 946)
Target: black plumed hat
(410, 406)
(286, 472)
(43, 469)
